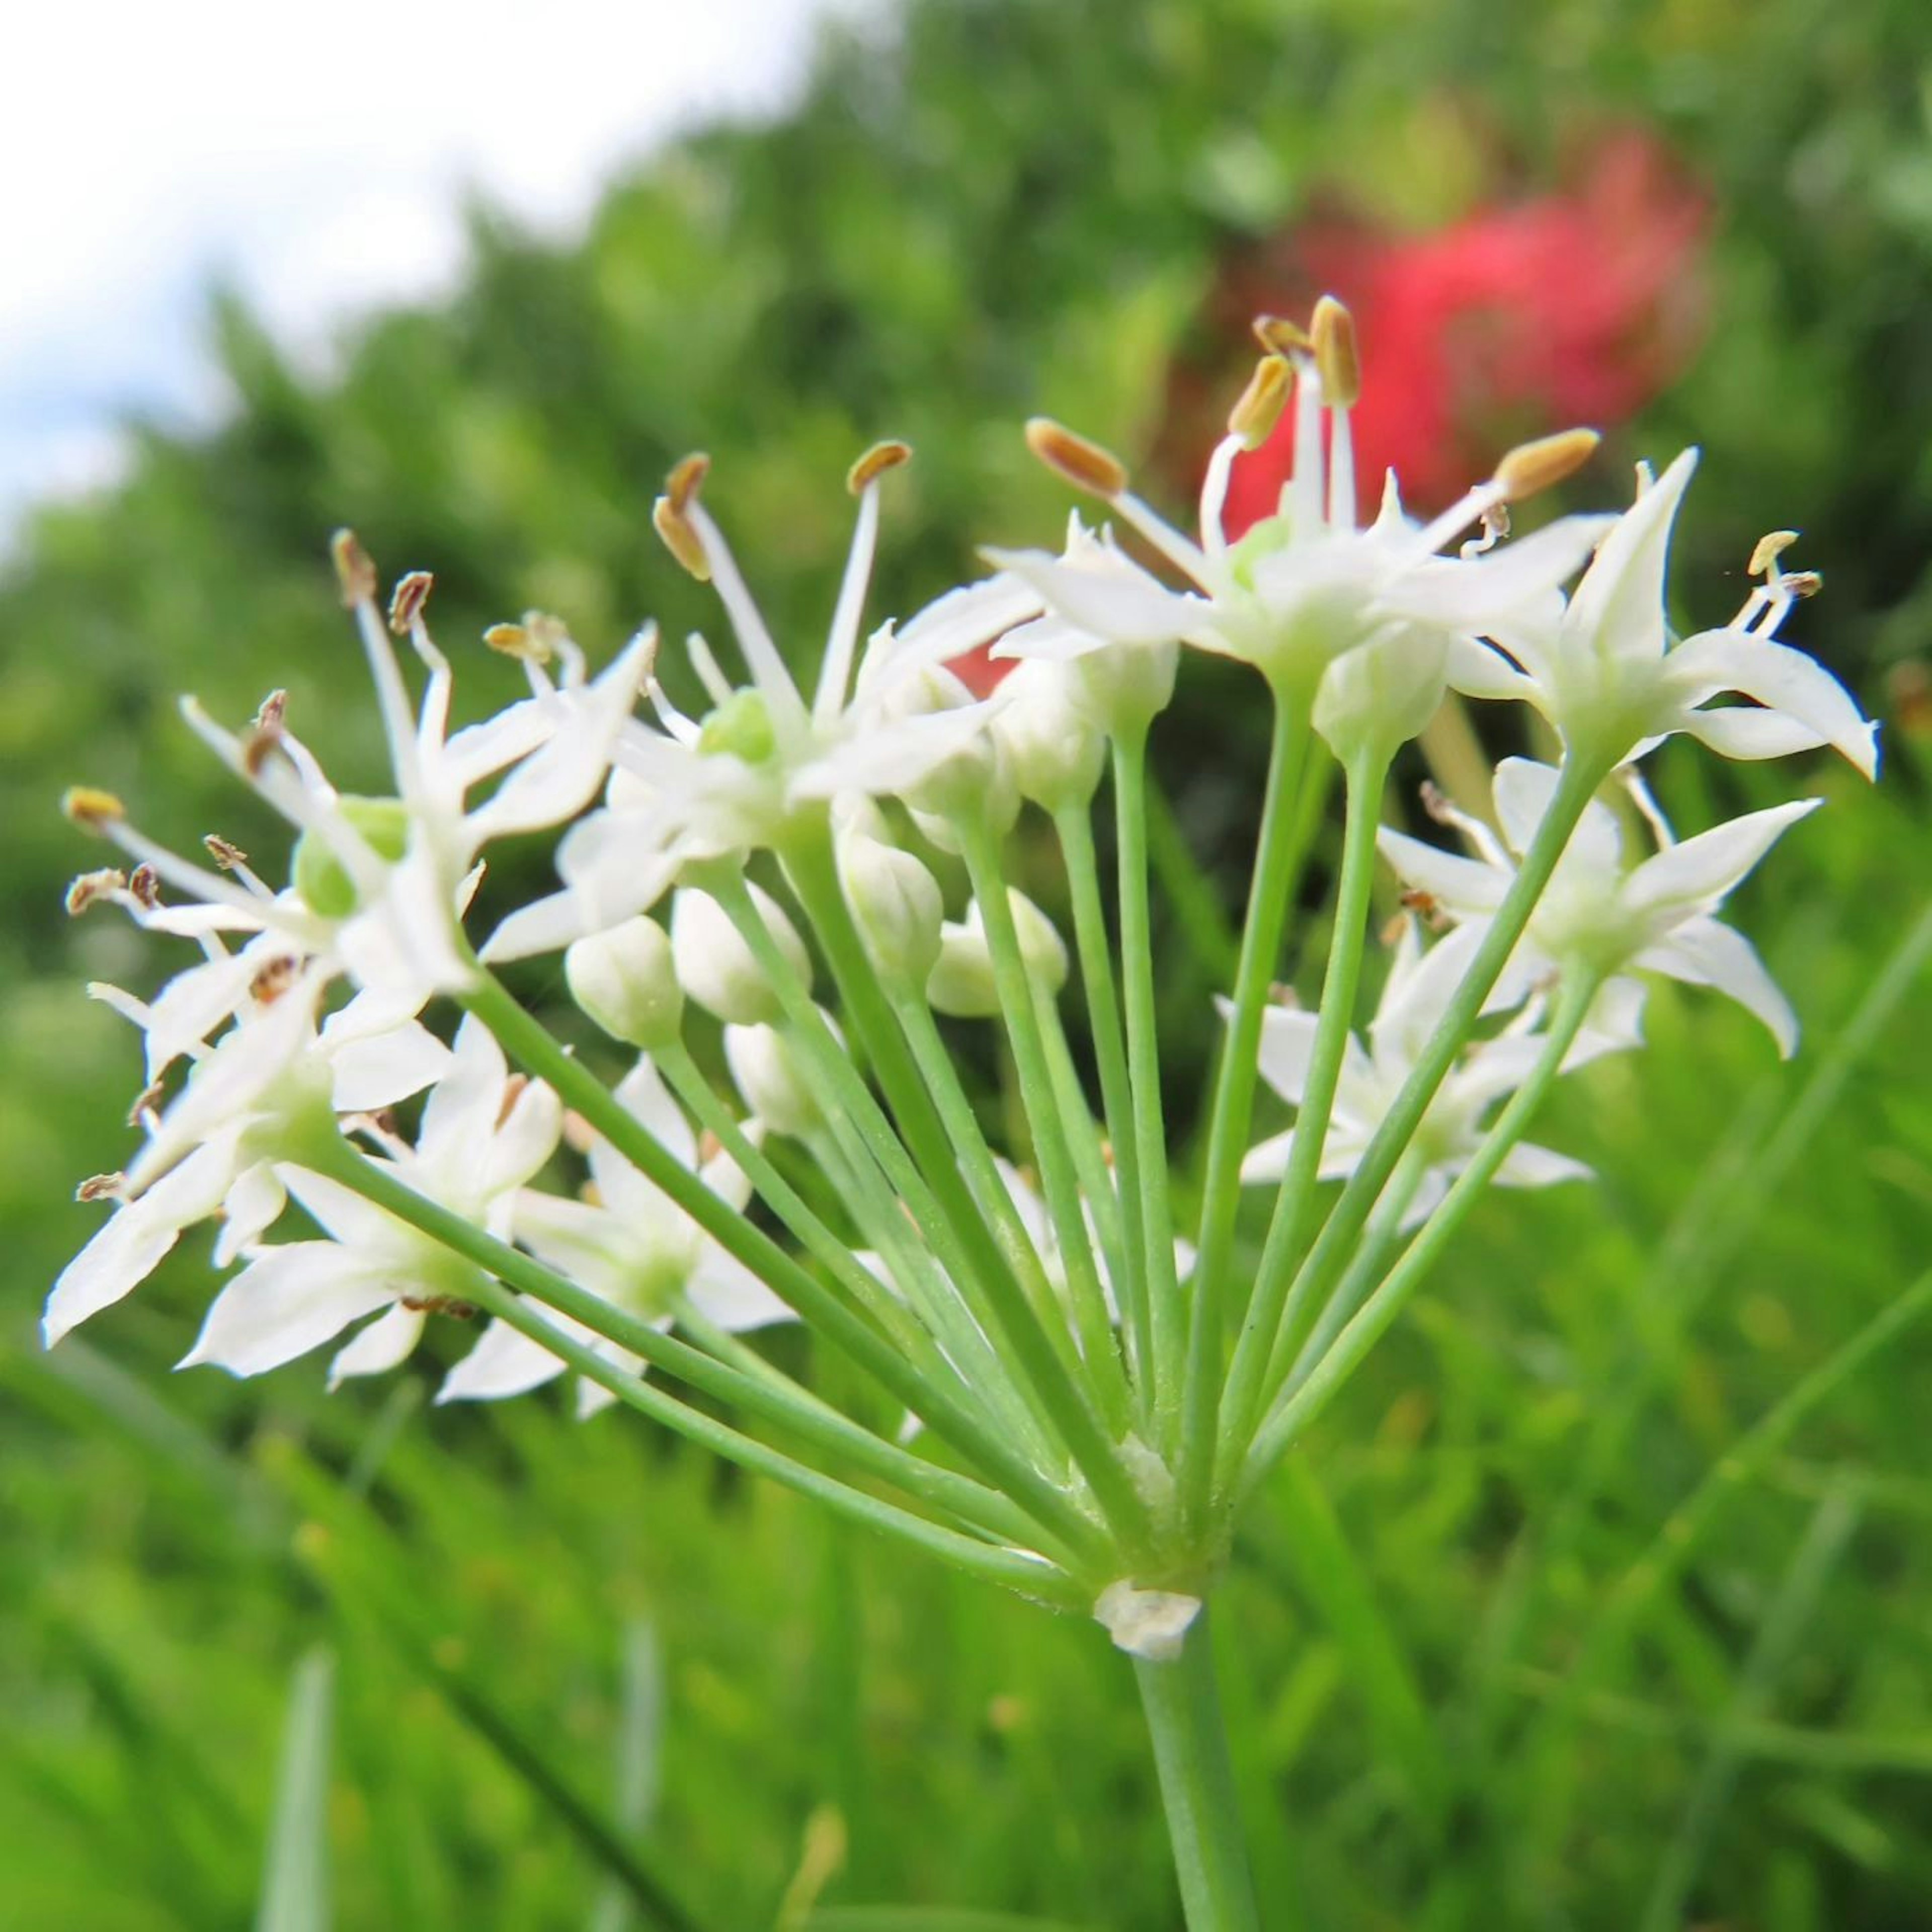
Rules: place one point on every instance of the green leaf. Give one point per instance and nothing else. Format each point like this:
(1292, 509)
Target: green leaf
(294, 1883)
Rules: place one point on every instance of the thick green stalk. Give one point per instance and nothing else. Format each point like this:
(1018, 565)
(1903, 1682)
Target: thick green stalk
(1062, 1396)
(1233, 1106)
(1019, 1001)
(802, 1416)
(1085, 1139)
(1197, 1786)
(1247, 1379)
(530, 1044)
(1149, 1130)
(1351, 1346)
(1575, 788)
(1075, 830)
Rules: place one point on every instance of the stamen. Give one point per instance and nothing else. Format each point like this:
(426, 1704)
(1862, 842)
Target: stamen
(229, 858)
(147, 1107)
(517, 641)
(1496, 527)
(355, 569)
(1444, 811)
(686, 478)
(92, 809)
(1342, 502)
(274, 978)
(873, 464)
(1336, 357)
(1305, 492)
(1214, 494)
(1769, 548)
(513, 1091)
(1801, 582)
(761, 654)
(680, 539)
(1252, 419)
(407, 599)
(1084, 464)
(841, 643)
(1280, 337)
(101, 1187)
(146, 888)
(710, 674)
(90, 887)
(1534, 467)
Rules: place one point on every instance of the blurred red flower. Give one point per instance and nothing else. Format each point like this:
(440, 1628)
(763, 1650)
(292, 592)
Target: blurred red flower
(1572, 308)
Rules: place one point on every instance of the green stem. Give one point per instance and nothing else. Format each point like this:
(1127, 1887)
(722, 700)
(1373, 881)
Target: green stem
(1576, 786)
(530, 1044)
(1248, 1378)
(1197, 1786)
(507, 1268)
(1149, 1131)
(1351, 1346)
(1063, 1399)
(1084, 1138)
(1075, 830)
(1020, 999)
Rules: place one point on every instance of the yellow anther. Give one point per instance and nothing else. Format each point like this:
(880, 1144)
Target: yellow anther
(1280, 337)
(90, 808)
(686, 478)
(1771, 546)
(876, 461)
(1254, 417)
(519, 641)
(1532, 467)
(1084, 464)
(1333, 330)
(680, 539)
(355, 569)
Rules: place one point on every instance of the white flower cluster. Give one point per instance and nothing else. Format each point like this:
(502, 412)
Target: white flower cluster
(1056, 1331)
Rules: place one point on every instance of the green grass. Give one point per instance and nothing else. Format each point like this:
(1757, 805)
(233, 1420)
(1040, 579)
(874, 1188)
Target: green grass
(1547, 1627)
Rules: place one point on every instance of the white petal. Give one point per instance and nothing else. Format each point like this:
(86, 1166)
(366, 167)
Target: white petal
(1477, 670)
(726, 1291)
(1617, 610)
(526, 1140)
(376, 1072)
(1523, 792)
(253, 1203)
(1268, 1160)
(1784, 679)
(1749, 731)
(288, 1301)
(385, 1344)
(1119, 601)
(1287, 1041)
(1704, 953)
(1527, 1165)
(1694, 876)
(506, 1362)
(1460, 886)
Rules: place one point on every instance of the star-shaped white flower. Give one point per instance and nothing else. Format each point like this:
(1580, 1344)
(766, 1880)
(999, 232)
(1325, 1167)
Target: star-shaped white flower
(1599, 912)
(631, 1245)
(484, 1133)
(1372, 1077)
(1607, 672)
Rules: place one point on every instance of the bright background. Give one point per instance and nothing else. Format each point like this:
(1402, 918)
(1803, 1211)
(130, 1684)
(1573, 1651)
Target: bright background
(1503, 1651)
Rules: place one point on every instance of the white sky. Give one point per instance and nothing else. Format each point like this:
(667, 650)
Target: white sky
(316, 154)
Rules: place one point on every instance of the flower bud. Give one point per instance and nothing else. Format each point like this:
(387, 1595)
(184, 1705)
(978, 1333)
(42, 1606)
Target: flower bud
(772, 1079)
(896, 904)
(974, 779)
(718, 970)
(626, 981)
(1382, 694)
(961, 983)
(1054, 744)
(1125, 689)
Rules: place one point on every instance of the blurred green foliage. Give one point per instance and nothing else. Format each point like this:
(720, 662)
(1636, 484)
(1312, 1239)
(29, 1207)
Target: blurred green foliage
(1460, 1702)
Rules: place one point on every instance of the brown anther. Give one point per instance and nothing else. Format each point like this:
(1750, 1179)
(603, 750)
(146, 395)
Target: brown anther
(383, 1121)
(1084, 464)
(1280, 337)
(686, 478)
(513, 1092)
(257, 748)
(1532, 467)
(873, 464)
(579, 1135)
(438, 1304)
(227, 856)
(515, 641)
(680, 539)
(1281, 993)
(709, 1147)
(1425, 906)
(1770, 547)
(354, 569)
(1254, 417)
(100, 1187)
(148, 1101)
(144, 882)
(273, 978)
(1801, 582)
(272, 713)
(1392, 931)
(1337, 358)
(92, 808)
(407, 599)
(90, 886)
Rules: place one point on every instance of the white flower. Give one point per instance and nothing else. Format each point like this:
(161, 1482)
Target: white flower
(379, 884)
(631, 1246)
(484, 1132)
(1371, 1078)
(1308, 587)
(1606, 672)
(1599, 912)
(765, 755)
(213, 1148)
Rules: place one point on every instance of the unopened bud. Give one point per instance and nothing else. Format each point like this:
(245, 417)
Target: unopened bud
(90, 887)
(895, 903)
(873, 464)
(407, 599)
(1533, 466)
(1336, 357)
(718, 970)
(1254, 417)
(680, 539)
(625, 981)
(355, 570)
(1084, 464)
(92, 808)
(1054, 742)
(771, 1079)
(962, 984)
(1280, 337)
